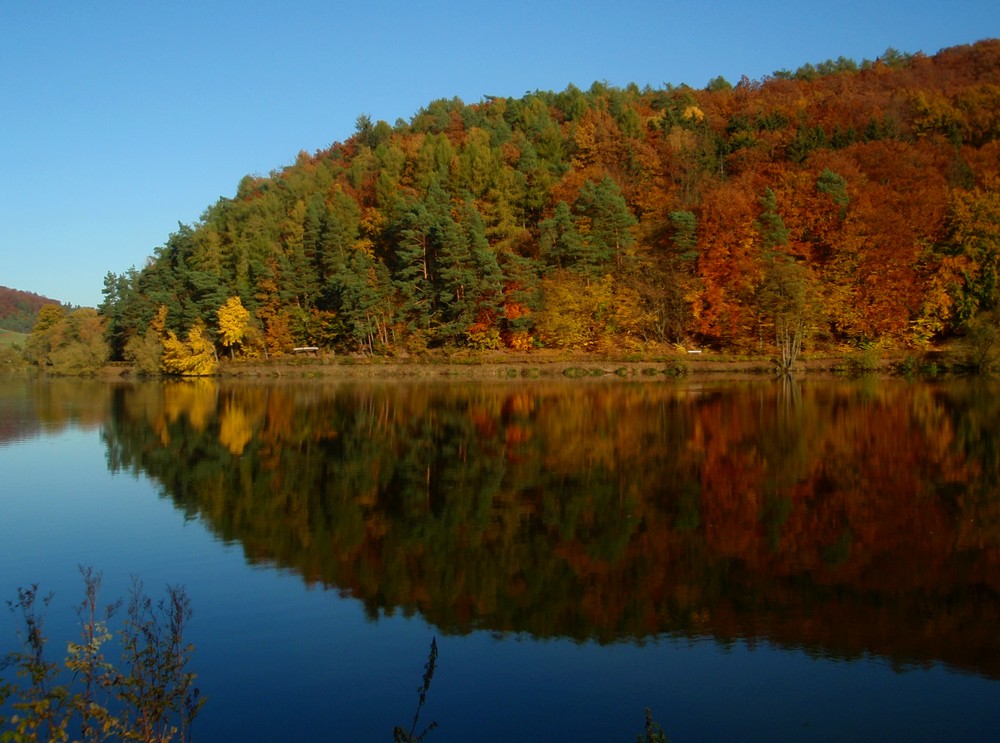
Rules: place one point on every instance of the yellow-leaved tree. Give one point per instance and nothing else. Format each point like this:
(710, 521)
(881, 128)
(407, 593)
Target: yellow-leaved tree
(192, 357)
(578, 312)
(234, 322)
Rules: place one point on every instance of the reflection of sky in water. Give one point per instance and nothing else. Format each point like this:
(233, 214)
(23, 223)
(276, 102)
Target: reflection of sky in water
(63, 508)
(282, 661)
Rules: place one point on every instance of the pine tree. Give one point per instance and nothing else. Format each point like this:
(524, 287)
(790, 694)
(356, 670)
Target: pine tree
(470, 278)
(608, 226)
(365, 291)
(560, 242)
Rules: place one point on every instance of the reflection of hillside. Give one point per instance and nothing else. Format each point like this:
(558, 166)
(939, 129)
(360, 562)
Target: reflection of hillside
(843, 519)
(18, 421)
(30, 408)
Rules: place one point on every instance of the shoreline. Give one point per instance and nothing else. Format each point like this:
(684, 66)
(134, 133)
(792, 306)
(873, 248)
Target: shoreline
(564, 366)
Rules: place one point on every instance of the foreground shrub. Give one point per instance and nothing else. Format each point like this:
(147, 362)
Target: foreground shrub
(147, 695)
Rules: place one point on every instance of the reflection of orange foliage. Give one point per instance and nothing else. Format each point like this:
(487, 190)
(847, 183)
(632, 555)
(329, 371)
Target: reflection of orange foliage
(862, 519)
(515, 434)
(519, 404)
(195, 399)
(484, 421)
(861, 485)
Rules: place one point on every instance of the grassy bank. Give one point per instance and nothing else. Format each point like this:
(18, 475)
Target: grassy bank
(11, 343)
(9, 338)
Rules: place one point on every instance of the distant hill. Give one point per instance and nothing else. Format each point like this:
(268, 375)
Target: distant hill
(19, 309)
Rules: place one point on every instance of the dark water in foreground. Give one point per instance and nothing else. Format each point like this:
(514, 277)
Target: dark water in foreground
(752, 561)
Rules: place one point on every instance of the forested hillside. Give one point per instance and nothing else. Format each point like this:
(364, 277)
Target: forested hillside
(842, 204)
(19, 309)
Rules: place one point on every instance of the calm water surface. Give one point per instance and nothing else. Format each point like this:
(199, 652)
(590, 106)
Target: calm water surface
(752, 561)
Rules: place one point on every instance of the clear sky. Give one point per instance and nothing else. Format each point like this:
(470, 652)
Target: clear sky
(120, 119)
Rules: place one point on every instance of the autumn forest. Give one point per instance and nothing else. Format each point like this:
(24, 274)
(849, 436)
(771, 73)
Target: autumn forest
(842, 205)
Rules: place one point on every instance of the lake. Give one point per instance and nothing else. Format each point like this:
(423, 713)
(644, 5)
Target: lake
(753, 560)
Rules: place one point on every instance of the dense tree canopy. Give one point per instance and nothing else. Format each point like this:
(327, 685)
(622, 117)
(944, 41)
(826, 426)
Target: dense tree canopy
(843, 203)
(67, 341)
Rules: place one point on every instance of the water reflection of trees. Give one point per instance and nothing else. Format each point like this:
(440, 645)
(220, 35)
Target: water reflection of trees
(844, 519)
(31, 407)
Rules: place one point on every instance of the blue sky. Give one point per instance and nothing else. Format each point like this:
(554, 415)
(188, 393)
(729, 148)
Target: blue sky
(120, 119)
